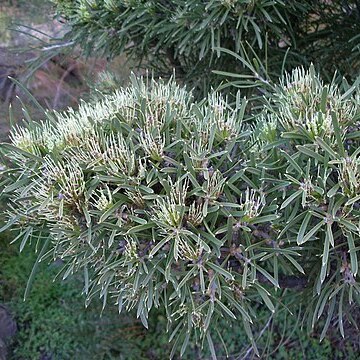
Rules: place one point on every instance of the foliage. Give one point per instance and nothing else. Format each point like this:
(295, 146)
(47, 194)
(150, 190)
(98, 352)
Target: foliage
(53, 309)
(163, 202)
(206, 210)
(53, 323)
(43, 322)
(186, 35)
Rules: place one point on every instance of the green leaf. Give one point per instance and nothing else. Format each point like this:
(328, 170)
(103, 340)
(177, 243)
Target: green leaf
(353, 253)
(324, 97)
(313, 231)
(26, 234)
(209, 315)
(267, 275)
(328, 319)
(220, 270)
(338, 134)
(12, 148)
(292, 162)
(226, 309)
(329, 234)
(351, 89)
(325, 258)
(350, 226)
(10, 223)
(327, 148)
(303, 228)
(265, 296)
(191, 273)
(16, 185)
(35, 267)
(295, 263)
(185, 343)
(250, 336)
(28, 93)
(211, 346)
(159, 245)
(263, 219)
(112, 209)
(332, 192)
(340, 316)
(290, 199)
(140, 228)
(307, 151)
(353, 200)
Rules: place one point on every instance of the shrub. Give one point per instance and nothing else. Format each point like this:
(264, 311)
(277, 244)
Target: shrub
(188, 35)
(205, 209)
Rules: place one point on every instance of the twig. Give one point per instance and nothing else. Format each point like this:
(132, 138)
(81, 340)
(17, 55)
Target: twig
(57, 46)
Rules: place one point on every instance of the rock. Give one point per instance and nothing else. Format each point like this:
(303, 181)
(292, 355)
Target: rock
(8, 329)
(13, 57)
(8, 326)
(11, 64)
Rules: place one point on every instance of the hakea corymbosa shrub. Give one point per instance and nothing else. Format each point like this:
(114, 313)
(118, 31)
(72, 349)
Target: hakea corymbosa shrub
(201, 208)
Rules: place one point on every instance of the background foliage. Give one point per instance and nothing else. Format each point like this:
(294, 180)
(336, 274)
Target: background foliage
(53, 323)
(186, 35)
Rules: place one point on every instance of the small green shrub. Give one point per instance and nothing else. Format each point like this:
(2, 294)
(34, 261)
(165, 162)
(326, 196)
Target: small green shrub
(202, 209)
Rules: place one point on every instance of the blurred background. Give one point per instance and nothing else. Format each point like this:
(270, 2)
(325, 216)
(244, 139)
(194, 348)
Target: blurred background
(56, 78)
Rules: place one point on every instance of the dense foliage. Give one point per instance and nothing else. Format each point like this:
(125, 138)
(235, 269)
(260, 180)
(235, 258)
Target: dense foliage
(187, 35)
(201, 208)
(53, 323)
(219, 212)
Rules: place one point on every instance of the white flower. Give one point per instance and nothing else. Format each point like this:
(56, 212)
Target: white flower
(169, 210)
(303, 100)
(252, 204)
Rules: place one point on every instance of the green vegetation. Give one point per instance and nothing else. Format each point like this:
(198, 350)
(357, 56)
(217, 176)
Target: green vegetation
(186, 35)
(226, 224)
(54, 322)
(163, 202)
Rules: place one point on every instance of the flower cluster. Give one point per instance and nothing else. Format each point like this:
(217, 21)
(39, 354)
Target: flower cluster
(304, 101)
